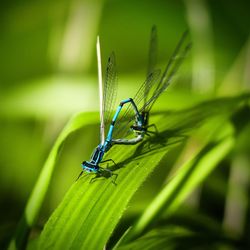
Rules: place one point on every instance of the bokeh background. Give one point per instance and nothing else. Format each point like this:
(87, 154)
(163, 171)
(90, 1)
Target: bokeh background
(48, 72)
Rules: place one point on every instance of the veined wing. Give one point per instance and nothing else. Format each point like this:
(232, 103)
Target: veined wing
(122, 125)
(152, 58)
(154, 84)
(172, 67)
(110, 91)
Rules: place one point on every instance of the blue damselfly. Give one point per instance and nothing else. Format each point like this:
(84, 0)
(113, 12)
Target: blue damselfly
(155, 84)
(107, 93)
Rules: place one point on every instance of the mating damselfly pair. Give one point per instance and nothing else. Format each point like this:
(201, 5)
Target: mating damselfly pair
(137, 109)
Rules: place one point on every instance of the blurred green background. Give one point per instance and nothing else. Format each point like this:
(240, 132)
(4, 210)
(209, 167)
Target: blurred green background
(48, 72)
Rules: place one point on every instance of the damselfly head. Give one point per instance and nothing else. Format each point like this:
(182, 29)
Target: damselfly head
(89, 168)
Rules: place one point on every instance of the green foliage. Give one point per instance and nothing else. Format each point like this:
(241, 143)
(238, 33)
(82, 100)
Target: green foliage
(91, 210)
(186, 188)
(41, 187)
(173, 237)
(190, 175)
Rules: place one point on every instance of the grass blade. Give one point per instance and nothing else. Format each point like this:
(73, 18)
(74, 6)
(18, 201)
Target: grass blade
(88, 214)
(191, 174)
(40, 189)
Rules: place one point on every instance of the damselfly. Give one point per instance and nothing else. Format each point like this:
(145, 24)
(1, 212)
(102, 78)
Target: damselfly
(137, 112)
(107, 95)
(150, 90)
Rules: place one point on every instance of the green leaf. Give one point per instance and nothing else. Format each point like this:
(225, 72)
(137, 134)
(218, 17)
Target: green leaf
(190, 175)
(40, 189)
(93, 209)
(96, 214)
(173, 237)
(89, 212)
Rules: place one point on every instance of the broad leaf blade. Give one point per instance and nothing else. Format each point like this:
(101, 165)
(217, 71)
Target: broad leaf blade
(173, 237)
(39, 192)
(95, 208)
(90, 211)
(190, 175)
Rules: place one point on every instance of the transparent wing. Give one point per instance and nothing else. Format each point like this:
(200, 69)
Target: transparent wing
(123, 124)
(110, 91)
(152, 58)
(154, 85)
(127, 118)
(172, 67)
(152, 53)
